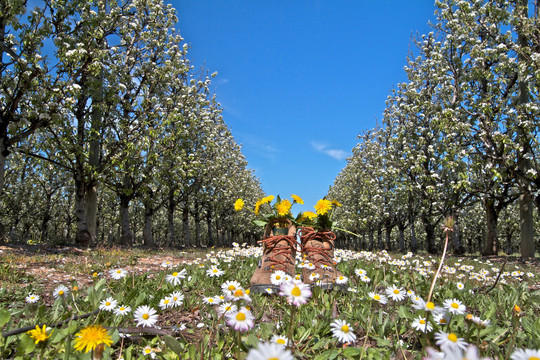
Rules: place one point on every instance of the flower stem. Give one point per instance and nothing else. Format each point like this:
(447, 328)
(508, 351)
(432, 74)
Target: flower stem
(447, 230)
(367, 332)
(291, 327)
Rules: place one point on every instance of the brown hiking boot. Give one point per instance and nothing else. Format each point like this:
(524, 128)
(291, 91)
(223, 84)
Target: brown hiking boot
(279, 251)
(318, 253)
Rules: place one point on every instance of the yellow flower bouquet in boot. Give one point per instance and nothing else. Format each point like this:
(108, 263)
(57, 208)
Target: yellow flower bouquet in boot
(317, 245)
(279, 241)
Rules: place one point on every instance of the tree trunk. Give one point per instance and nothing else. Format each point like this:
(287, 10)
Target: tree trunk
(148, 236)
(388, 243)
(379, 238)
(492, 240)
(430, 235)
(170, 219)
(125, 223)
(197, 219)
(371, 240)
(456, 236)
(83, 237)
(414, 241)
(526, 220)
(185, 225)
(209, 226)
(91, 211)
(363, 243)
(4, 152)
(401, 229)
(46, 219)
(509, 247)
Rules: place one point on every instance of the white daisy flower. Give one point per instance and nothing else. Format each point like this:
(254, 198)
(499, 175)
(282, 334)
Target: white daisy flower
(454, 306)
(32, 298)
(525, 354)
(420, 324)
(122, 310)
(148, 351)
(395, 293)
(471, 353)
(145, 316)
(241, 320)
(460, 286)
(265, 351)
(226, 308)
(449, 342)
(211, 300)
(214, 272)
(230, 286)
(176, 298)
(165, 303)
(360, 272)
(278, 277)
(441, 319)
(342, 331)
(341, 280)
(297, 292)
(239, 294)
(378, 298)
(314, 276)
(280, 340)
(434, 354)
(108, 304)
(117, 274)
(365, 279)
(480, 323)
(428, 306)
(60, 291)
(176, 277)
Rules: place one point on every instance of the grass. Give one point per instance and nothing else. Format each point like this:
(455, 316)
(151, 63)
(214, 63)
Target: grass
(196, 330)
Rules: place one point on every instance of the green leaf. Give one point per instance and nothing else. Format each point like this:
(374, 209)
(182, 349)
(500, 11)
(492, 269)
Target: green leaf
(327, 355)
(259, 223)
(352, 351)
(252, 340)
(26, 345)
(174, 345)
(192, 351)
(5, 316)
(382, 342)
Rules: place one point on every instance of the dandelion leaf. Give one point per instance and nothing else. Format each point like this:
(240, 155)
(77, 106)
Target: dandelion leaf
(174, 345)
(5, 316)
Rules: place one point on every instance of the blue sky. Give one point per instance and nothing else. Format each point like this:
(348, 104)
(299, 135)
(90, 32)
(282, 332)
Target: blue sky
(299, 80)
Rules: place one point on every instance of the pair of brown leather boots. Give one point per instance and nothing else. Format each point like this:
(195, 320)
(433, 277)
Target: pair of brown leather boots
(279, 252)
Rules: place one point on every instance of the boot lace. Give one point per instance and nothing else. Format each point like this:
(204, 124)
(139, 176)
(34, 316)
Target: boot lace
(308, 234)
(273, 251)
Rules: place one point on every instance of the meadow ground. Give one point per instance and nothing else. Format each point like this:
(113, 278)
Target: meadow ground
(491, 304)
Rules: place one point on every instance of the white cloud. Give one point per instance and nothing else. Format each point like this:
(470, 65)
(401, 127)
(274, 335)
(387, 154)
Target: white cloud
(337, 154)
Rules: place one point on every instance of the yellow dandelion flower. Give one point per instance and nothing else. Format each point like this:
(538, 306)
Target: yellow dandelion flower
(267, 199)
(257, 207)
(297, 199)
(323, 206)
(39, 334)
(90, 337)
(238, 204)
(336, 203)
(283, 207)
(309, 215)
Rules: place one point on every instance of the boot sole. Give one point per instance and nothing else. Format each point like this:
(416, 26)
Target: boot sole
(262, 289)
(329, 286)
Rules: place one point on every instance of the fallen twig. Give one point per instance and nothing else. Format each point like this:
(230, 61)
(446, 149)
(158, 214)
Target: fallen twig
(28, 328)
